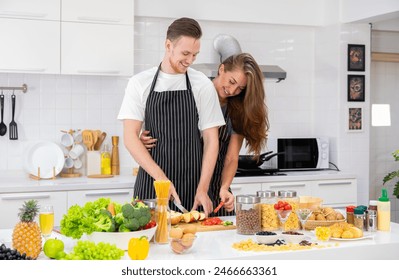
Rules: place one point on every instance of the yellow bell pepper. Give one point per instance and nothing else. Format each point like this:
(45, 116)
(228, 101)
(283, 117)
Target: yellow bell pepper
(138, 248)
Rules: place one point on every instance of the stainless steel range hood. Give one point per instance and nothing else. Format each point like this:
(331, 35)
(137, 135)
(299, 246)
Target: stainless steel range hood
(272, 72)
(226, 46)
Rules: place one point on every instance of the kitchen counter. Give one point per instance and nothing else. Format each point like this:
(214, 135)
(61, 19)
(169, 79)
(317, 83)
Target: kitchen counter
(18, 182)
(218, 245)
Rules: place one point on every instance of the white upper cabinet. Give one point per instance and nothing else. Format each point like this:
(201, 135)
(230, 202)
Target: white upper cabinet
(29, 46)
(96, 49)
(99, 11)
(32, 9)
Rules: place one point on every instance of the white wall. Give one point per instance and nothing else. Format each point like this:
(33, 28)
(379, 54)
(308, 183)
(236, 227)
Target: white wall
(368, 10)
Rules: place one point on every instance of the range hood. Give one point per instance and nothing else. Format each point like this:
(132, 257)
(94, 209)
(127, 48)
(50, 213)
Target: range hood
(226, 46)
(273, 72)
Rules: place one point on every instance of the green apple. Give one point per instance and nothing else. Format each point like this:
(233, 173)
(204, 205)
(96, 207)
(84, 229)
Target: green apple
(52, 247)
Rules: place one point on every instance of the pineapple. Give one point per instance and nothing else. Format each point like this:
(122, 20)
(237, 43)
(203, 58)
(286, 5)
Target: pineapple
(26, 237)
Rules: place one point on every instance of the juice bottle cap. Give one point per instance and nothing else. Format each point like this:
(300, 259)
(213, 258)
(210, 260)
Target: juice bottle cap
(384, 195)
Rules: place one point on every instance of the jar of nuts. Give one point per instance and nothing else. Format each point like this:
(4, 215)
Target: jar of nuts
(269, 218)
(248, 214)
(292, 222)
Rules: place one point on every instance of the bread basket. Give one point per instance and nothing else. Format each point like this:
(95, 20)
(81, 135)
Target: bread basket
(310, 225)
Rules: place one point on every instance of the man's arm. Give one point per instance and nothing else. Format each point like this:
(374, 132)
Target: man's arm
(131, 132)
(211, 149)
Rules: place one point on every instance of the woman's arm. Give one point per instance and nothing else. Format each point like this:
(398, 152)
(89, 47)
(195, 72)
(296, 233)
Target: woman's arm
(229, 170)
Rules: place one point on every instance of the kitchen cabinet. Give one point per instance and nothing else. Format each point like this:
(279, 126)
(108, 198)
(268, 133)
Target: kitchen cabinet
(99, 11)
(336, 193)
(251, 188)
(81, 197)
(31, 9)
(302, 188)
(29, 46)
(96, 49)
(10, 204)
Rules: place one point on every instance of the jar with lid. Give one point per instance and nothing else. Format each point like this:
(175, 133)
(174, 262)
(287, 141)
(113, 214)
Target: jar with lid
(350, 214)
(292, 222)
(358, 217)
(248, 214)
(269, 218)
(152, 204)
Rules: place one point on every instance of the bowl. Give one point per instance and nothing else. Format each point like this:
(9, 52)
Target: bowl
(267, 237)
(293, 236)
(183, 245)
(120, 239)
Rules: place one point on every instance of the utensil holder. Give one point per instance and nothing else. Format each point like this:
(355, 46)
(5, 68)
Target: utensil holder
(93, 163)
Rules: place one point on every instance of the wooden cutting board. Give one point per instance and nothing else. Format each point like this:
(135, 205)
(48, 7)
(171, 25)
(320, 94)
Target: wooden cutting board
(201, 228)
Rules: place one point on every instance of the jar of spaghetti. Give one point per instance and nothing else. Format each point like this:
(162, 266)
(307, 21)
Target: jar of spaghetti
(269, 218)
(292, 222)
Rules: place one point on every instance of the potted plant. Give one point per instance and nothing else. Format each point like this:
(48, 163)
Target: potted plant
(393, 175)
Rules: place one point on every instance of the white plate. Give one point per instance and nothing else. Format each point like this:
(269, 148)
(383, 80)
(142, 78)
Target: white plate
(365, 236)
(46, 155)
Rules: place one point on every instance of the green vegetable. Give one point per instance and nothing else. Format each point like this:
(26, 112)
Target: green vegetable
(227, 223)
(135, 216)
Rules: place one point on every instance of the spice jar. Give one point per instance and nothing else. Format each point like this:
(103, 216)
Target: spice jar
(358, 217)
(248, 214)
(269, 218)
(350, 214)
(292, 222)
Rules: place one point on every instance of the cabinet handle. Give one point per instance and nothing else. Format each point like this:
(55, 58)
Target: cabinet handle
(107, 193)
(43, 196)
(22, 14)
(98, 19)
(288, 186)
(110, 72)
(24, 69)
(235, 188)
(334, 184)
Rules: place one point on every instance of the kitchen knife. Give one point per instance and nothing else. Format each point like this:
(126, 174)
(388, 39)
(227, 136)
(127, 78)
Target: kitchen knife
(181, 208)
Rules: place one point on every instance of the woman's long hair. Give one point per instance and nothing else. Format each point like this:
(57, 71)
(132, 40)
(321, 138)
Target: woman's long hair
(248, 111)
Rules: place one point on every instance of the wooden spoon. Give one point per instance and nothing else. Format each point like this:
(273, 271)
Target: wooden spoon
(88, 139)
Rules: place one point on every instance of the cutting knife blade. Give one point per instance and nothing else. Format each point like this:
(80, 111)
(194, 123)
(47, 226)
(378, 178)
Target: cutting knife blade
(181, 208)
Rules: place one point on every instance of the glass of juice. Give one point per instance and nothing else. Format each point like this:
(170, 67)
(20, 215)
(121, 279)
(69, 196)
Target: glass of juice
(46, 220)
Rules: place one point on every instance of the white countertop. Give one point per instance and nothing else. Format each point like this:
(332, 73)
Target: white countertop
(218, 245)
(18, 181)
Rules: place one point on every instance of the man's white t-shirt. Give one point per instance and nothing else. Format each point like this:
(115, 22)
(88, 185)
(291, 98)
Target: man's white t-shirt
(205, 96)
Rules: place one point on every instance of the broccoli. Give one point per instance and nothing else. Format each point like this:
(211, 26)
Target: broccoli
(135, 216)
(122, 228)
(119, 218)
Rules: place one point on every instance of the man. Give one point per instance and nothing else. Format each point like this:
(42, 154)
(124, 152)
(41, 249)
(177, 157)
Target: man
(176, 104)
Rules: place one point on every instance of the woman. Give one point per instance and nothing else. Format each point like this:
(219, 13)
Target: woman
(241, 93)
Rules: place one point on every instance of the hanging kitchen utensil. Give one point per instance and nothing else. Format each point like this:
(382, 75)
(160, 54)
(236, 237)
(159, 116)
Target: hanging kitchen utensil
(13, 125)
(3, 127)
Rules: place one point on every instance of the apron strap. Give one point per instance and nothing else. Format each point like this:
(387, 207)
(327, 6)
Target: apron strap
(188, 84)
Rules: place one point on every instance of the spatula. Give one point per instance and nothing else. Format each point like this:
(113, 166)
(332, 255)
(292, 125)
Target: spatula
(3, 127)
(13, 125)
(88, 139)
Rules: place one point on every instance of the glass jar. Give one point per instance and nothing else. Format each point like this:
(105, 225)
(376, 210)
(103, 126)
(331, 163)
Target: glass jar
(358, 218)
(269, 218)
(350, 215)
(162, 218)
(248, 214)
(152, 204)
(292, 222)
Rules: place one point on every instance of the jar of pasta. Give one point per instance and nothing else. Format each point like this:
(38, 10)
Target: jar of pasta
(269, 218)
(248, 214)
(292, 222)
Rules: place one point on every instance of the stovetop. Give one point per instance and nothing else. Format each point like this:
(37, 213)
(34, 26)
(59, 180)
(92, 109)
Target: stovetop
(258, 172)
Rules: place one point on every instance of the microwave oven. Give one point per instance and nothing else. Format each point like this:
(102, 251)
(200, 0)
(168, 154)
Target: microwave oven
(303, 153)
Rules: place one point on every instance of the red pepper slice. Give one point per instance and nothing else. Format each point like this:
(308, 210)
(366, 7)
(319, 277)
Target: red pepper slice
(218, 207)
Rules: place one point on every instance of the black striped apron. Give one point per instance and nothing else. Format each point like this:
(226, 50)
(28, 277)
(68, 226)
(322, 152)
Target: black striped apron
(172, 118)
(225, 132)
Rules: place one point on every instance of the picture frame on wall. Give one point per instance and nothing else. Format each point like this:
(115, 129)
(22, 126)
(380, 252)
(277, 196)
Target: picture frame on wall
(355, 119)
(356, 57)
(356, 88)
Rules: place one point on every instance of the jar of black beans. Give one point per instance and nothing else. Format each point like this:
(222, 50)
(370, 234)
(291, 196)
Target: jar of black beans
(248, 214)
